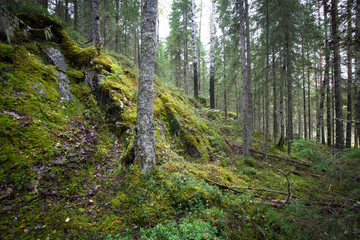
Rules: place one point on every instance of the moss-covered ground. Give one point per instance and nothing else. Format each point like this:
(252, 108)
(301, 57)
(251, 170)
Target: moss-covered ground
(67, 170)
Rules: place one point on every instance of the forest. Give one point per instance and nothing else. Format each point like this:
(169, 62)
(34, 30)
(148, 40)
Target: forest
(179, 119)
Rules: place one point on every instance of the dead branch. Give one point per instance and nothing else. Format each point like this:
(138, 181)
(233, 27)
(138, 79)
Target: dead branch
(305, 173)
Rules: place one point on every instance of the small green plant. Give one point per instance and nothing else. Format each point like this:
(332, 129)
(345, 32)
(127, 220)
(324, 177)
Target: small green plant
(187, 229)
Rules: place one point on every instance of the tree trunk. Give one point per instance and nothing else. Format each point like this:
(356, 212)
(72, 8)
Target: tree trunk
(275, 119)
(309, 100)
(266, 87)
(4, 19)
(106, 22)
(289, 127)
(337, 76)
(82, 14)
(195, 62)
(96, 16)
(248, 76)
(212, 55)
(349, 83)
(281, 141)
(244, 99)
(304, 92)
(357, 69)
(117, 26)
(145, 153)
(186, 60)
(91, 22)
(76, 15)
(199, 50)
(66, 10)
(327, 76)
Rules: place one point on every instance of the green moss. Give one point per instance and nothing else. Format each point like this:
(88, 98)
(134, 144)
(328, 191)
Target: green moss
(7, 53)
(75, 75)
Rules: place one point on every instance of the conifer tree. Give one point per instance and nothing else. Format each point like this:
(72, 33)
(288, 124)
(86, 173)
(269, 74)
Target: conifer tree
(145, 153)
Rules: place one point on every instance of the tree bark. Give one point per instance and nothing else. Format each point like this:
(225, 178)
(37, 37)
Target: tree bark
(357, 69)
(248, 76)
(337, 76)
(309, 99)
(4, 19)
(186, 60)
(76, 15)
(96, 16)
(304, 91)
(275, 119)
(106, 22)
(267, 81)
(82, 14)
(289, 127)
(91, 22)
(117, 27)
(145, 153)
(212, 56)
(199, 50)
(245, 116)
(349, 73)
(195, 62)
(66, 10)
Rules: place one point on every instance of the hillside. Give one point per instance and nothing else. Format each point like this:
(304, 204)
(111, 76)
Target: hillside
(67, 117)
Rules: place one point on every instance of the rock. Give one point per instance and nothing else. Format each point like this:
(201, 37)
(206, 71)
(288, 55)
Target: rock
(175, 125)
(55, 57)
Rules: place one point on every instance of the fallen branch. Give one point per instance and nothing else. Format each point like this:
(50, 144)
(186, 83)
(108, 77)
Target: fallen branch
(281, 158)
(305, 173)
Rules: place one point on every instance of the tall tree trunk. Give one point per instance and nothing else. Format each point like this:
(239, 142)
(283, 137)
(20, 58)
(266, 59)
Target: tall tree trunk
(186, 60)
(289, 127)
(319, 112)
(66, 10)
(212, 55)
(82, 14)
(198, 49)
(266, 87)
(309, 100)
(304, 92)
(349, 73)
(45, 4)
(106, 22)
(337, 77)
(327, 76)
(195, 62)
(357, 69)
(248, 76)
(76, 15)
(281, 140)
(91, 21)
(145, 135)
(275, 118)
(117, 26)
(245, 117)
(96, 16)
(4, 19)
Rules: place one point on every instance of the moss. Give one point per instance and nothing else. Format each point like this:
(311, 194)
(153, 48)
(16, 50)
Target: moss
(102, 62)
(7, 53)
(75, 75)
(32, 48)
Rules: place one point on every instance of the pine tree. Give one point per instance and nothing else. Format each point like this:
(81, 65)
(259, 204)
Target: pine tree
(145, 132)
(4, 19)
(337, 75)
(194, 46)
(357, 69)
(212, 57)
